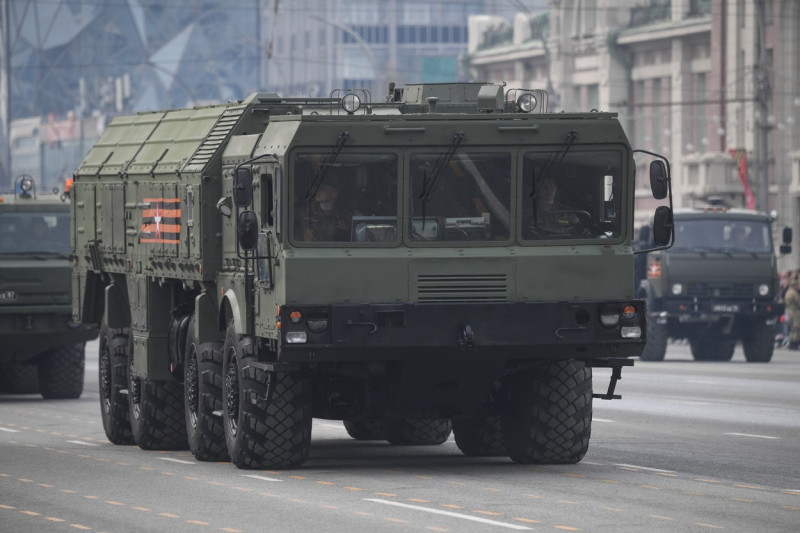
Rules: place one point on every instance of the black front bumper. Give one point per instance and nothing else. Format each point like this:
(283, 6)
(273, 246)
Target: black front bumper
(711, 307)
(463, 331)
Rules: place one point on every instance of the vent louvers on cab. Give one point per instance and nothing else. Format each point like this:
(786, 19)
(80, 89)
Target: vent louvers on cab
(443, 288)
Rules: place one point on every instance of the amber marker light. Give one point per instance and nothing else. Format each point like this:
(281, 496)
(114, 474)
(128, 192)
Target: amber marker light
(629, 311)
(295, 317)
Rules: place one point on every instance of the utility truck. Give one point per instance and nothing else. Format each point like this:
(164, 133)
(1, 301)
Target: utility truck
(396, 265)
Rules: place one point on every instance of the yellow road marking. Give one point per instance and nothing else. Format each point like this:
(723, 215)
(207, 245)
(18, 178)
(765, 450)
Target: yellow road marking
(167, 473)
(570, 474)
(489, 513)
(790, 507)
(79, 526)
(197, 522)
(45, 485)
(10, 508)
(527, 520)
(613, 509)
(54, 519)
(418, 500)
(329, 507)
(712, 526)
(743, 500)
(661, 517)
(269, 495)
(141, 509)
(388, 494)
(169, 515)
(111, 502)
(568, 528)
(325, 483)
(243, 489)
(90, 497)
(614, 481)
(451, 506)
(31, 513)
(26, 480)
(297, 477)
(362, 513)
(490, 489)
(396, 520)
(230, 530)
(423, 477)
(67, 491)
(354, 488)
(434, 528)
(704, 480)
(216, 483)
(568, 502)
(748, 487)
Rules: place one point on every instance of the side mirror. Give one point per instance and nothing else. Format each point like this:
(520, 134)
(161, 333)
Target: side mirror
(247, 230)
(662, 226)
(787, 235)
(243, 187)
(659, 181)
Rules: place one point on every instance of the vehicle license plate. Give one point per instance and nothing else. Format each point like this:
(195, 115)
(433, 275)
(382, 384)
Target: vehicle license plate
(725, 308)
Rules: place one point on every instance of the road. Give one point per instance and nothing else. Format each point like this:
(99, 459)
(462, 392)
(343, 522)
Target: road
(690, 447)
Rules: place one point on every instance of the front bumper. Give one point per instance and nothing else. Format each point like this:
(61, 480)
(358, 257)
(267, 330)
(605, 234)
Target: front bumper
(464, 331)
(695, 307)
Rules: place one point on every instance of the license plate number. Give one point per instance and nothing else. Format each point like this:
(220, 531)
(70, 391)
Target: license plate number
(725, 308)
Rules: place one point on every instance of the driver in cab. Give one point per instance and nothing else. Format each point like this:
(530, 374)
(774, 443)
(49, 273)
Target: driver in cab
(324, 219)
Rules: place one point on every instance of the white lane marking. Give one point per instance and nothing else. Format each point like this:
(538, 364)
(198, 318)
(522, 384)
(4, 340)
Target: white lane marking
(447, 513)
(262, 478)
(647, 468)
(181, 461)
(792, 491)
(9, 430)
(754, 436)
(82, 443)
(601, 420)
(334, 426)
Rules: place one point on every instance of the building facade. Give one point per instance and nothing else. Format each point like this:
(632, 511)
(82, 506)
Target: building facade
(714, 85)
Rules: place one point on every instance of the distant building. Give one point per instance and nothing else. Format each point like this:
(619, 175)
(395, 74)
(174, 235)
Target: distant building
(703, 83)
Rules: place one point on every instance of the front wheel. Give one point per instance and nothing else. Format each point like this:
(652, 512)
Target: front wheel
(712, 348)
(267, 415)
(61, 371)
(417, 431)
(480, 437)
(759, 343)
(550, 418)
(362, 429)
(656, 347)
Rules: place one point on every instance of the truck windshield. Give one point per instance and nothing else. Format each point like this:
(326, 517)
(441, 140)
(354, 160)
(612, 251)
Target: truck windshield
(356, 202)
(34, 232)
(723, 235)
(571, 195)
(468, 201)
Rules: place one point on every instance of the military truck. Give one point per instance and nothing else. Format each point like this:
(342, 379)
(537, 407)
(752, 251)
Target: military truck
(389, 264)
(716, 286)
(41, 348)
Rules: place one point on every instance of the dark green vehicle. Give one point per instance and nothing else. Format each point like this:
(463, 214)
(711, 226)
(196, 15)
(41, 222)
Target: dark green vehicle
(395, 265)
(716, 286)
(41, 348)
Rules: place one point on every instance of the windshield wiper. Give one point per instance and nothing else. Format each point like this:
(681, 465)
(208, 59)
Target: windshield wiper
(549, 164)
(316, 183)
(442, 162)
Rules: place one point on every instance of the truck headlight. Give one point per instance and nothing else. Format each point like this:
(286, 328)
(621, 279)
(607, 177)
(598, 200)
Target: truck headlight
(296, 337)
(677, 289)
(763, 289)
(630, 332)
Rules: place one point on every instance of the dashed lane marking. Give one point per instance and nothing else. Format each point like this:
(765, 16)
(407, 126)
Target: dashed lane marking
(9, 430)
(601, 420)
(752, 436)
(448, 513)
(82, 443)
(647, 468)
(181, 461)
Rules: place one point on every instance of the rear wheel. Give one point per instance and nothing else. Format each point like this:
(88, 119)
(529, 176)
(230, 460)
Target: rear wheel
(759, 343)
(361, 429)
(61, 371)
(480, 437)
(113, 379)
(417, 431)
(551, 415)
(156, 412)
(202, 384)
(267, 415)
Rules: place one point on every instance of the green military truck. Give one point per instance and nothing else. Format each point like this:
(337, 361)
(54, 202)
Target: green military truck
(41, 348)
(716, 286)
(390, 264)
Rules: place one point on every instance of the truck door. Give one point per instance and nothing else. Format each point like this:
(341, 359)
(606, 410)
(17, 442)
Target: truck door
(267, 207)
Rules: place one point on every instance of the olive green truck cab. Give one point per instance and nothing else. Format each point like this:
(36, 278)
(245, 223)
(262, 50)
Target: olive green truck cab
(716, 286)
(41, 348)
(394, 265)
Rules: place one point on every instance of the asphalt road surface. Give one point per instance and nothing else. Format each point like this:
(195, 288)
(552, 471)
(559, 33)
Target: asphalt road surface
(690, 447)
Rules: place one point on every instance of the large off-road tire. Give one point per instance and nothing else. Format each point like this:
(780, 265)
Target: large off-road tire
(156, 412)
(61, 371)
(202, 385)
(480, 437)
(20, 379)
(656, 347)
(712, 348)
(759, 343)
(361, 429)
(550, 417)
(263, 428)
(417, 431)
(113, 379)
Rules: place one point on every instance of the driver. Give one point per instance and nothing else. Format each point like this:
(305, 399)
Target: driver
(326, 220)
(551, 214)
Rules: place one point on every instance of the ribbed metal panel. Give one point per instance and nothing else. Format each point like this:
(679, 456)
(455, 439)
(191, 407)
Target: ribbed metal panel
(443, 288)
(217, 136)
